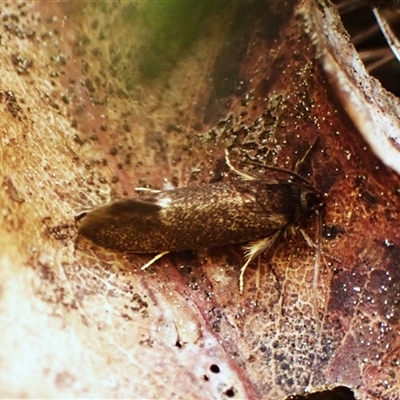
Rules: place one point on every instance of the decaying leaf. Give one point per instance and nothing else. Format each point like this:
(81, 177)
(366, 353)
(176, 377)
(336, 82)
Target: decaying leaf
(121, 95)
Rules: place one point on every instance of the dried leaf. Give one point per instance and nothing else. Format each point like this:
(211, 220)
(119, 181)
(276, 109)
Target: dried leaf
(148, 94)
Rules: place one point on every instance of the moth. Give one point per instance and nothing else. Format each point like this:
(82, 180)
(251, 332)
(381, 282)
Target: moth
(249, 211)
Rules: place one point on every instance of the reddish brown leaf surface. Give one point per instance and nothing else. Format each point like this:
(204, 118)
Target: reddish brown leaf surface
(99, 99)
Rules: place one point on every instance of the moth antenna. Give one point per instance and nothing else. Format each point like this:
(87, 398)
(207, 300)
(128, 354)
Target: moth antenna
(297, 167)
(147, 265)
(286, 171)
(252, 251)
(299, 163)
(242, 174)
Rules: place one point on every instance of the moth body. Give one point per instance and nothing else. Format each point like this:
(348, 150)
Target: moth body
(192, 218)
(252, 210)
(199, 217)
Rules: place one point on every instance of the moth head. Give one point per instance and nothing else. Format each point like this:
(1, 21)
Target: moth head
(310, 200)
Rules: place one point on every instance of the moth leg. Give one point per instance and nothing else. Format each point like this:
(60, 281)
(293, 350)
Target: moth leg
(316, 245)
(308, 240)
(252, 251)
(147, 190)
(154, 259)
(242, 174)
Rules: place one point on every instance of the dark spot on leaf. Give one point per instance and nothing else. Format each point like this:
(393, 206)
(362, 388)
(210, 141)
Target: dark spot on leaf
(332, 231)
(21, 64)
(12, 191)
(230, 392)
(78, 140)
(12, 104)
(368, 197)
(214, 368)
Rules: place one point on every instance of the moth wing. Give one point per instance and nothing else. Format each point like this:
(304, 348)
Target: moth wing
(126, 211)
(147, 205)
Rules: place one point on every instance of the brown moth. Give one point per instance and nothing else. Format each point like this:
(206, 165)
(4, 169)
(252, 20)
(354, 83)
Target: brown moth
(250, 210)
